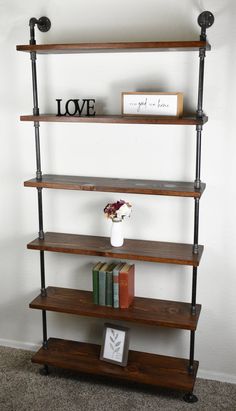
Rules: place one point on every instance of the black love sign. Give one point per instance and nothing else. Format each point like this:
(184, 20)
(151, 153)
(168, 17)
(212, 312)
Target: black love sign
(73, 107)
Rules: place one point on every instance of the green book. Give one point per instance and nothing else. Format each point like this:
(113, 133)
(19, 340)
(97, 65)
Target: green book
(95, 272)
(116, 271)
(102, 284)
(109, 284)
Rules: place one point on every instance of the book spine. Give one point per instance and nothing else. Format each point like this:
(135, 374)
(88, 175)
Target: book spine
(102, 288)
(126, 287)
(109, 288)
(123, 292)
(131, 280)
(116, 289)
(95, 287)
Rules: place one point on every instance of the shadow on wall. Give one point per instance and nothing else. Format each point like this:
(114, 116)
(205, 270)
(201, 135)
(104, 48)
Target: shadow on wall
(203, 5)
(122, 22)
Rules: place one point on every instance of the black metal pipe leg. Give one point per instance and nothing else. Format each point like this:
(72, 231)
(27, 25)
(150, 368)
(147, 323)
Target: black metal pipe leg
(202, 55)
(42, 267)
(191, 356)
(37, 148)
(194, 291)
(190, 397)
(40, 213)
(45, 339)
(44, 370)
(197, 182)
(196, 225)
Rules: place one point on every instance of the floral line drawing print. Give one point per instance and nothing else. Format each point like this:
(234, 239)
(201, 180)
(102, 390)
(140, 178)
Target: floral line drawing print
(114, 343)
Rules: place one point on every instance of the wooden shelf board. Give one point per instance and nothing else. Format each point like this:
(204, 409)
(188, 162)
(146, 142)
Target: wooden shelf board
(117, 185)
(148, 311)
(117, 119)
(142, 368)
(154, 251)
(115, 47)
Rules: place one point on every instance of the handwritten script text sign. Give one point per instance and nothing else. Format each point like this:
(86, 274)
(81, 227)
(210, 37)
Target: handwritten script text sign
(152, 104)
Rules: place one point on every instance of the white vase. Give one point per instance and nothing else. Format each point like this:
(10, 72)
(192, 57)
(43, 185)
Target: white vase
(117, 238)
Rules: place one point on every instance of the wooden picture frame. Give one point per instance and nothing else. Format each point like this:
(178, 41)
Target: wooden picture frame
(152, 104)
(115, 346)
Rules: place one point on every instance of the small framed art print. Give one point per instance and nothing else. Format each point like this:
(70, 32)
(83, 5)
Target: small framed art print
(152, 104)
(115, 346)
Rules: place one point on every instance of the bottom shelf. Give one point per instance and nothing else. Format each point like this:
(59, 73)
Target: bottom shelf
(143, 368)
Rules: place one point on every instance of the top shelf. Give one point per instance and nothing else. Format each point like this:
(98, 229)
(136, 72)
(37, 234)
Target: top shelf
(121, 47)
(118, 119)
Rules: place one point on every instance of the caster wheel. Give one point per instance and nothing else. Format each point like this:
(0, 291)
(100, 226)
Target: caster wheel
(44, 370)
(190, 397)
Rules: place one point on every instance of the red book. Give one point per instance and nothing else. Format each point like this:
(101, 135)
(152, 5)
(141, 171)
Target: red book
(126, 289)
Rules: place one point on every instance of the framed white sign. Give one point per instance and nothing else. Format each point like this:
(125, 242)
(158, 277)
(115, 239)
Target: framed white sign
(115, 345)
(152, 104)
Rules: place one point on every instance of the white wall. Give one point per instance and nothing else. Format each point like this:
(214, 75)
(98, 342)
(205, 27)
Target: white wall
(133, 151)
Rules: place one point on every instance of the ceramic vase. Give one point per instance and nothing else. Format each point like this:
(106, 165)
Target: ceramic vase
(117, 238)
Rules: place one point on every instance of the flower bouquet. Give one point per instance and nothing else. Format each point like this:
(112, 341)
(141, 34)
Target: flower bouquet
(117, 212)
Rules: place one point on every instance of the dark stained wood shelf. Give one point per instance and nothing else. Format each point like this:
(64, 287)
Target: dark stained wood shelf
(154, 251)
(115, 47)
(117, 119)
(148, 311)
(117, 185)
(142, 368)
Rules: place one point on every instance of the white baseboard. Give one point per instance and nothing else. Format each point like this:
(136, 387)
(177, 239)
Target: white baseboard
(19, 345)
(217, 376)
(208, 375)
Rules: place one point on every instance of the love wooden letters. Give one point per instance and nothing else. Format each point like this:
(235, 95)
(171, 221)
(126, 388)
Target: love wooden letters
(78, 107)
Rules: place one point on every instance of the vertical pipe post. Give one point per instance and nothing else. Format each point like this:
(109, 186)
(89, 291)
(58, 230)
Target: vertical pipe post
(43, 24)
(205, 20)
(194, 290)
(200, 114)
(202, 55)
(196, 225)
(199, 127)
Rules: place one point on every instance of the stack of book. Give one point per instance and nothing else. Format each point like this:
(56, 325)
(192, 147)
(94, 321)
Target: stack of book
(113, 284)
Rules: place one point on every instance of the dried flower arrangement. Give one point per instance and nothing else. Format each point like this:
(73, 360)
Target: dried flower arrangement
(118, 211)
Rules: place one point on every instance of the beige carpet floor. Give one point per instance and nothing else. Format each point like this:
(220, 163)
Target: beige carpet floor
(22, 388)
